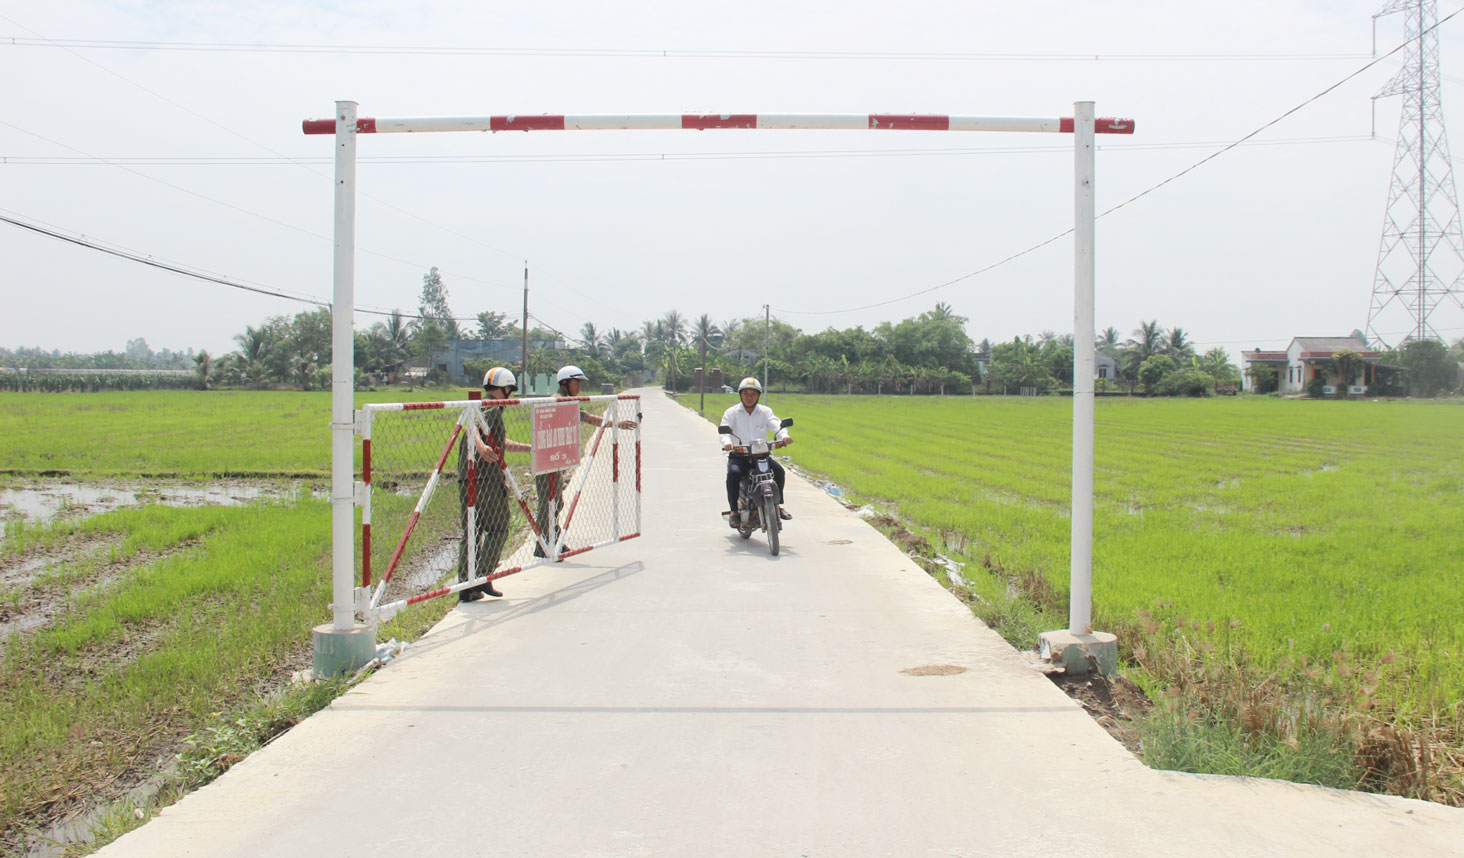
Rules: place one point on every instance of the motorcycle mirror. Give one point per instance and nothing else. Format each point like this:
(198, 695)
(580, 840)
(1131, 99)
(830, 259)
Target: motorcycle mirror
(787, 421)
(724, 430)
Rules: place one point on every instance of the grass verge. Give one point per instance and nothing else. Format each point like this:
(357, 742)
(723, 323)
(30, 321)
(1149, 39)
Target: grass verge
(178, 640)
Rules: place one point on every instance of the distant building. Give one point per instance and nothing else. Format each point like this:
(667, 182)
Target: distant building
(1311, 357)
(743, 356)
(509, 353)
(1105, 367)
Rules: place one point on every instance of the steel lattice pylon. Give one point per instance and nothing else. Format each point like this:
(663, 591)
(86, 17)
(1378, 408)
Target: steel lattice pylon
(1421, 257)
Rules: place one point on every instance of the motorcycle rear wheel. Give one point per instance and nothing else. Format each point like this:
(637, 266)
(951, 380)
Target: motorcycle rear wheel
(772, 522)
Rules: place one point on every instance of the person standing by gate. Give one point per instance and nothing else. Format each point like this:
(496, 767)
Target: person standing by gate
(550, 486)
(490, 491)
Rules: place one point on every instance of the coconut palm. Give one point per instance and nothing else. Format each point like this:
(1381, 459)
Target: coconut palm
(1178, 346)
(673, 328)
(1216, 363)
(254, 346)
(591, 338)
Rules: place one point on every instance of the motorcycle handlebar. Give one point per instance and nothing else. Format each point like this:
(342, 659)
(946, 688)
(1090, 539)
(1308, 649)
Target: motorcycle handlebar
(747, 450)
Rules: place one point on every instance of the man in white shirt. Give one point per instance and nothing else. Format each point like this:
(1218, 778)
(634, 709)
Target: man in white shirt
(750, 421)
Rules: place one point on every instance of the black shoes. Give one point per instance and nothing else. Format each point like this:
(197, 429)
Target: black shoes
(473, 594)
(784, 514)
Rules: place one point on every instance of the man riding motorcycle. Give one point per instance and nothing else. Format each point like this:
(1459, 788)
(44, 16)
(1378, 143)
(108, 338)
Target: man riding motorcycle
(748, 421)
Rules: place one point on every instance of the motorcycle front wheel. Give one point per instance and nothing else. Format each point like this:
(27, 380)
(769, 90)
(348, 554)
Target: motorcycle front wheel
(771, 522)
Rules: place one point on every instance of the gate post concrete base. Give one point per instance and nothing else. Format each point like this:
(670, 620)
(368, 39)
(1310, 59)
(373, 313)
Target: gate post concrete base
(342, 651)
(1079, 654)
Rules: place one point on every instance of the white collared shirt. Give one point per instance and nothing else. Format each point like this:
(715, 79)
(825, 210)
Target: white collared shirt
(747, 428)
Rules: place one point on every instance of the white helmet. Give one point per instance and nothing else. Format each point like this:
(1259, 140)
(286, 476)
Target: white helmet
(500, 377)
(749, 382)
(569, 372)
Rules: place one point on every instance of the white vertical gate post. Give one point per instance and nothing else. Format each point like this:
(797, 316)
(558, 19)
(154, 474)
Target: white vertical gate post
(342, 358)
(342, 645)
(1080, 600)
(1079, 649)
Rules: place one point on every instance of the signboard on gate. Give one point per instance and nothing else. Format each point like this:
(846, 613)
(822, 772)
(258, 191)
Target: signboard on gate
(556, 437)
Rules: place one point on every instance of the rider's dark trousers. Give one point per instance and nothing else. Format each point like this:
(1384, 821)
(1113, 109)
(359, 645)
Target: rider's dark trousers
(739, 465)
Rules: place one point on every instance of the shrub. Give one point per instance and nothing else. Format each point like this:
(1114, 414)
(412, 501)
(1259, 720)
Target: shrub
(1186, 382)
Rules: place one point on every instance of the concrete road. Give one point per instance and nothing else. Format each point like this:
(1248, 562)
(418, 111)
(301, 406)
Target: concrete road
(686, 694)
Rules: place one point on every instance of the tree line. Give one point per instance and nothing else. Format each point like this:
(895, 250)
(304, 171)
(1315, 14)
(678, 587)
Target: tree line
(927, 354)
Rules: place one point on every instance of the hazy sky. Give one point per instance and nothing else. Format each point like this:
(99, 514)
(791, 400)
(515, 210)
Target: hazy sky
(196, 157)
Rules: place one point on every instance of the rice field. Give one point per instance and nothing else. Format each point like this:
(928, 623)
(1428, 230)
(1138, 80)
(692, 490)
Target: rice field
(1314, 546)
(125, 634)
(175, 433)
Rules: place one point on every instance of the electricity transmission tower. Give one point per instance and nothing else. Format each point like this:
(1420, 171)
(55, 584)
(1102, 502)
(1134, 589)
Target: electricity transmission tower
(1421, 257)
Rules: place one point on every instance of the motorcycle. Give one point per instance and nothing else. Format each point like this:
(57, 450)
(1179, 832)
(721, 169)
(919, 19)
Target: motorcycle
(757, 493)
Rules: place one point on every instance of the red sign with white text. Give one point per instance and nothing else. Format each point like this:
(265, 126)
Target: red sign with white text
(556, 437)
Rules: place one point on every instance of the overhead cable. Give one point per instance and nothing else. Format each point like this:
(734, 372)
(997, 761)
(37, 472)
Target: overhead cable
(659, 53)
(177, 268)
(1205, 160)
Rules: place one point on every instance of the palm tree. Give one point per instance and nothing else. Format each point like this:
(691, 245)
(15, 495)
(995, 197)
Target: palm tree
(1148, 340)
(704, 331)
(253, 347)
(1178, 346)
(203, 367)
(1109, 338)
(591, 338)
(673, 328)
(673, 333)
(1216, 362)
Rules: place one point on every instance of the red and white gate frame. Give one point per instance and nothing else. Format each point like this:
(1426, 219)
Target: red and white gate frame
(472, 412)
(346, 126)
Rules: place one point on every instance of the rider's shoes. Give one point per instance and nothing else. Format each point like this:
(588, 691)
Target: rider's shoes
(784, 514)
(490, 590)
(539, 551)
(732, 521)
(472, 594)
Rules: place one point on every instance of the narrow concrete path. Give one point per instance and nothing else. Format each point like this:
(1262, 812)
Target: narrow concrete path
(686, 694)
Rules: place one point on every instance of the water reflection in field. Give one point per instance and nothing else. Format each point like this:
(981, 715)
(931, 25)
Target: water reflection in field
(42, 501)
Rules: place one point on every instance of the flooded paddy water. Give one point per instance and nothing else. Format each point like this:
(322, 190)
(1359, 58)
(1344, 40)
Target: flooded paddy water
(41, 501)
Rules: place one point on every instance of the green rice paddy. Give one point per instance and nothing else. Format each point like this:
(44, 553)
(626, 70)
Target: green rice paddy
(1312, 545)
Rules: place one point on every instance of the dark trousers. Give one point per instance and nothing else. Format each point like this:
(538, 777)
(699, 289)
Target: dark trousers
(739, 465)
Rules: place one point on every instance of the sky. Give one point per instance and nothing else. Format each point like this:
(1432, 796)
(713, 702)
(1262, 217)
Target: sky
(195, 157)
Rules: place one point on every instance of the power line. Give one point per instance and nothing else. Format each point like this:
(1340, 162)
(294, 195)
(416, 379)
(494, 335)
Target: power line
(177, 268)
(239, 209)
(1208, 158)
(171, 161)
(659, 53)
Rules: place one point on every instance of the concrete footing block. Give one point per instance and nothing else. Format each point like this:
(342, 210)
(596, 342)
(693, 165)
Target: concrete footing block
(342, 651)
(1079, 654)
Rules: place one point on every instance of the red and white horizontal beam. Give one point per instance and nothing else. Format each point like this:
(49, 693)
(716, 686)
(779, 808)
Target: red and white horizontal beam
(708, 121)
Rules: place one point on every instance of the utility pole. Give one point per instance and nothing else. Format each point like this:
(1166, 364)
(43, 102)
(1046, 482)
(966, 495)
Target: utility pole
(524, 369)
(767, 340)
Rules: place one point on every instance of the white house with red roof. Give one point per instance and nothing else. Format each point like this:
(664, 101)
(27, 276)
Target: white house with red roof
(1311, 357)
